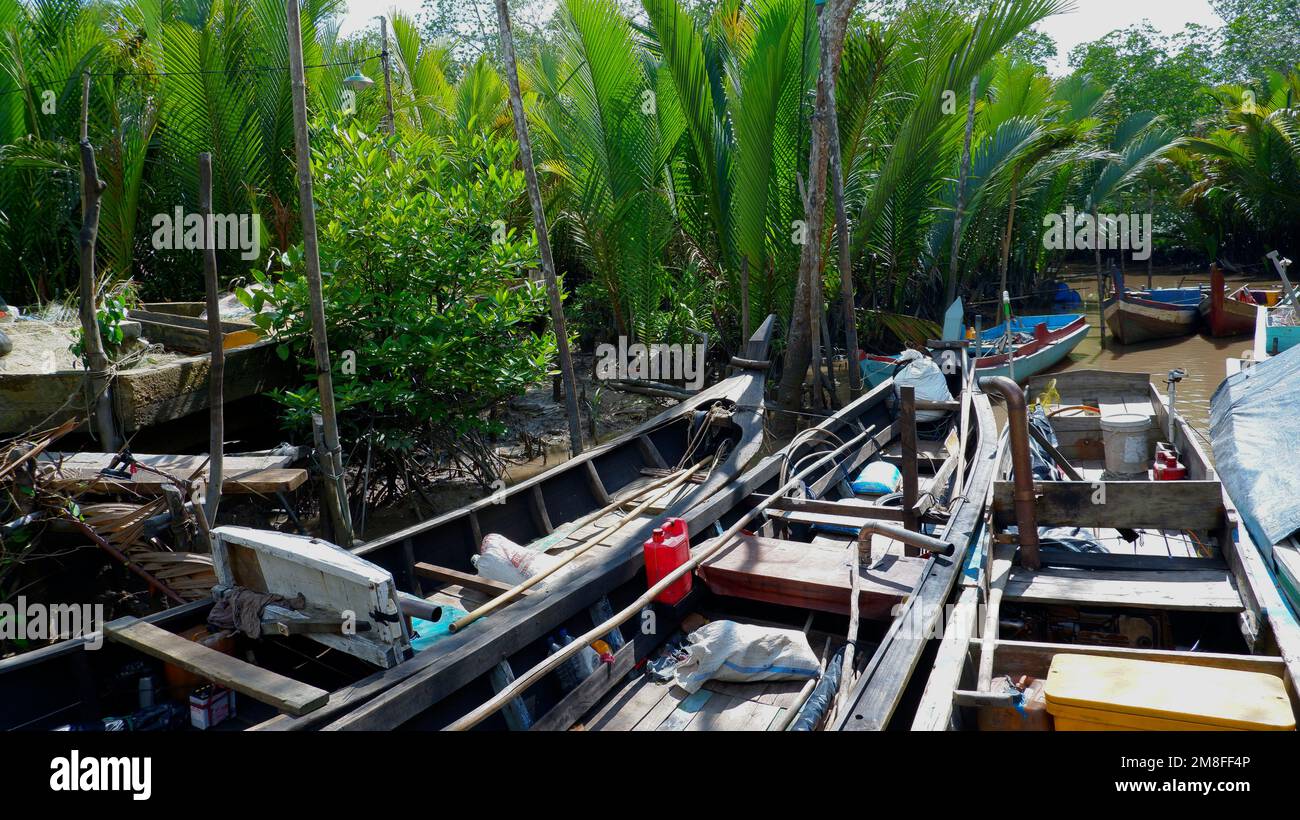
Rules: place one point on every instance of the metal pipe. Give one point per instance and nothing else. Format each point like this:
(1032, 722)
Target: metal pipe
(1018, 433)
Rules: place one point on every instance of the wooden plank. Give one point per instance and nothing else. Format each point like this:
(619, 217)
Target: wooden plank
(935, 712)
(855, 508)
(624, 710)
(235, 480)
(1179, 505)
(538, 506)
(262, 685)
(593, 481)
(588, 693)
(650, 452)
(1034, 659)
(880, 687)
(810, 576)
(907, 436)
(1190, 590)
(1127, 562)
(673, 697)
(446, 575)
(686, 711)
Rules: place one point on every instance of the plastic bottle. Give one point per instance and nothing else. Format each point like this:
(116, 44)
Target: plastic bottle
(585, 662)
(565, 672)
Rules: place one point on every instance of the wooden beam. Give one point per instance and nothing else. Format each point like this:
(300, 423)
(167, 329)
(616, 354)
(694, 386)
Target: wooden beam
(1032, 658)
(446, 575)
(262, 685)
(650, 452)
(1175, 505)
(907, 435)
(1185, 590)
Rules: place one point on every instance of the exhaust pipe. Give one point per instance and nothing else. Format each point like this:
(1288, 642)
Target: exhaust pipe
(1018, 430)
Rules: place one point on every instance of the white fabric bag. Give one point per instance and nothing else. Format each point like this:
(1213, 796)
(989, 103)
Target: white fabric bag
(924, 375)
(729, 651)
(501, 559)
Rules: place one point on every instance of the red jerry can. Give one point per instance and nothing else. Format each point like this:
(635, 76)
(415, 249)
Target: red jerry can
(668, 548)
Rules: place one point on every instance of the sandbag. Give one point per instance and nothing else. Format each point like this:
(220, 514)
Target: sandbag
(922, 374)
(742, 653)
(501, 559)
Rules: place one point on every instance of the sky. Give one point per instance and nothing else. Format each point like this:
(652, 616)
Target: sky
(1091, 20)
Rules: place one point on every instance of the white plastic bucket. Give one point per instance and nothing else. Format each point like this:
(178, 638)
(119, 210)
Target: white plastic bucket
(1124, 437)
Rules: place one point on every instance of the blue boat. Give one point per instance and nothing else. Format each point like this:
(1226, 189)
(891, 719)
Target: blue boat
(1036, 344)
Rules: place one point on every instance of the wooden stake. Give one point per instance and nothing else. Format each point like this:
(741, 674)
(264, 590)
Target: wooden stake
(520, 588)
(539, 224)
(954, 259)
(535, 674)
(217, 368)
(388, 85)
(846, 249)
(332, 458)
(97, 379)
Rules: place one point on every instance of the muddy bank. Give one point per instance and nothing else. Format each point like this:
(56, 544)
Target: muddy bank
(536, 438)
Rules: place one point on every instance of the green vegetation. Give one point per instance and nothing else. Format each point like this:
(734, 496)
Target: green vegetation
(673, 140)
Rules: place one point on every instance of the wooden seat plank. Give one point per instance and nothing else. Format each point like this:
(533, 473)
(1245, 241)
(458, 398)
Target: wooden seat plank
(263, 685)
(1194, 590)
(809, 576)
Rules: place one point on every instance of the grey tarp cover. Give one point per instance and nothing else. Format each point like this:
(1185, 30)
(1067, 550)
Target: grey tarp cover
(1255, 433)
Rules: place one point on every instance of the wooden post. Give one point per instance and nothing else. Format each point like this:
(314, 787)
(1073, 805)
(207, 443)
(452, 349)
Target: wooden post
(388, 85)
(1101, 287)
(97, 379)
(1151, 207)
(907, 437)
(217, 367)
(953, 260)
(744, 299)
(846, 249)
(332, 458)
(539, 224)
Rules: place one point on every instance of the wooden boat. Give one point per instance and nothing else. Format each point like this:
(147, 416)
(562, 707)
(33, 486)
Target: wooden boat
(152, 394)
(456, 673)
(1160, 572)
(1233, 314)
(791, 568)
(1038, 343)
(1134, 316)
(1253, 430)
(63, 683)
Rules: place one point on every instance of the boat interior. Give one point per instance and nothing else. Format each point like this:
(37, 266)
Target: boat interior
(1127, 566)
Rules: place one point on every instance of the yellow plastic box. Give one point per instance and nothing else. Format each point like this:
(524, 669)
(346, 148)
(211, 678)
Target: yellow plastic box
(1091, 692)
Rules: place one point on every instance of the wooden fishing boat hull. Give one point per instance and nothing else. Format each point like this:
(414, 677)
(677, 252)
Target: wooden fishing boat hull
(143, 396)
(1052, 344)
(1058, 337)
(45, 688)
(1191, 577)
(1131, 319)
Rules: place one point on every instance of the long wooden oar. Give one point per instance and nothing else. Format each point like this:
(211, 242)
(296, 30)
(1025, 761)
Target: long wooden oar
(673, 481)
(548, 665)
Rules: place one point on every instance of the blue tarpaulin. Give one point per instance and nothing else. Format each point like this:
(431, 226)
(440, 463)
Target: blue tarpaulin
(1255, 433)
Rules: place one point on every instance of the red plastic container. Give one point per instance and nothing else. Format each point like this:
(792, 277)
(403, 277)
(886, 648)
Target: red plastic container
(668, 548)
(1167, 466)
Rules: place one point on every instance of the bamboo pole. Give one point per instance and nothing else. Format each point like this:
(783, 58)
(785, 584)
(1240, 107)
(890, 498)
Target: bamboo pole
(806, 692)
(963, 174)
(674, 481)
(217, 367)
(552, 661)
(388, 83)
(97, 379)
(539, 225)
(848, 308)
(332, 457)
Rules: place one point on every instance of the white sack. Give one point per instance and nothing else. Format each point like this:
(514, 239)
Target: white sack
(924, 375)
(728, 651)
(501, 559)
